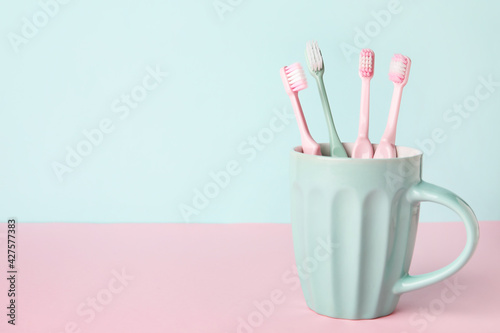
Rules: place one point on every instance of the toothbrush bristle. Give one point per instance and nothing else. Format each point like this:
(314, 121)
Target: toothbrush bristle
(398, 70)
(296, 77)
(366, 60)
(315, 59)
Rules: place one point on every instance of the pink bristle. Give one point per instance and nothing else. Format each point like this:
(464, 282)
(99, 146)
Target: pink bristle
(366, 58)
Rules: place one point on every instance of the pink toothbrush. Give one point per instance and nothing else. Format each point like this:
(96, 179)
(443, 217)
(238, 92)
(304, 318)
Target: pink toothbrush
(294, 81)
(398, 73)
(363, 147)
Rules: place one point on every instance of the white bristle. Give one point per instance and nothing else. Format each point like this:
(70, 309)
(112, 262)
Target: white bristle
(398, 68)
(366, 58)
(366, 62)
(315, 59)
(296, 77)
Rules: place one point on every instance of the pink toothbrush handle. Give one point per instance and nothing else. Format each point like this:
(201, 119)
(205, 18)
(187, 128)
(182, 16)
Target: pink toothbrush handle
(362, 147)
(364, 116)
(390, 130)
(387, 147)
(309, 146)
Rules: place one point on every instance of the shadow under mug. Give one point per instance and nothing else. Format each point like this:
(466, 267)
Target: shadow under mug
(364, 212)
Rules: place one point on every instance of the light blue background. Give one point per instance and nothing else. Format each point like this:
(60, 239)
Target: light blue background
(222, 88)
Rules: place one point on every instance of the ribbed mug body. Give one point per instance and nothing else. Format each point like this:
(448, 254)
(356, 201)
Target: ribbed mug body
(353, 230)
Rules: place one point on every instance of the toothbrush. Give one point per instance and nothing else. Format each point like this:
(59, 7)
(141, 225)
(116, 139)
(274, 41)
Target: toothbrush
(398, 73)
(363, 147)
(317, 69)
(294, 81)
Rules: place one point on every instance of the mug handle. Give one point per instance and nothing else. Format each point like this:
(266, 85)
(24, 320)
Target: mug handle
(428, 192)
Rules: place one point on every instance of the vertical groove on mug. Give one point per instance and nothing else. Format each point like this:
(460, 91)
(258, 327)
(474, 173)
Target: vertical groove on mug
(321, 245)
(329, 269)
(357, 257)
(384, 288)
(310, 266)
(394, 247)
(345, 215)
(299, 209)
(376, 219)
(334, 264)
(306, 253)
(306, 231)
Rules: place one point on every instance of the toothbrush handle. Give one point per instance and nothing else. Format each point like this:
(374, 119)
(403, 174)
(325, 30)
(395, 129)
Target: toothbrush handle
(336, 147)
(364, 115)
(390, 129)
(301, 120)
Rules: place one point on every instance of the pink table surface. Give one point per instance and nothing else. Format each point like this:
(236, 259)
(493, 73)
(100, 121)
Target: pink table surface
(223, 279)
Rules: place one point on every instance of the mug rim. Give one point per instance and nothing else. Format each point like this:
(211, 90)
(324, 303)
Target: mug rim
(408, 152)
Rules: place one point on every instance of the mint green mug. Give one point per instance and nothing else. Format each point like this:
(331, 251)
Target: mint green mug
(367, 209)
